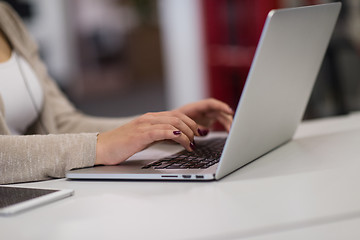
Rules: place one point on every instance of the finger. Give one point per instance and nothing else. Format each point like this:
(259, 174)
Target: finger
(175, 122)
(225, 120)
(191, 124)
(216, 105)
(160, 132)
(185, 142)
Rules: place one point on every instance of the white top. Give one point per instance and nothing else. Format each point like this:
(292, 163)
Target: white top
(21, 93)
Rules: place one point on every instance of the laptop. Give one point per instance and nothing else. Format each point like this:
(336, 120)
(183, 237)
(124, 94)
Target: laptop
(286, 63)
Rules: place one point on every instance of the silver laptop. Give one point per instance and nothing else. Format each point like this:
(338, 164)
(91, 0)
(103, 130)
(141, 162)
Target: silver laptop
(279, 84)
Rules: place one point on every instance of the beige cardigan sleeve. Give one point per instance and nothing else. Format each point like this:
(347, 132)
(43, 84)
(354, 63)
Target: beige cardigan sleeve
(41, 157)
(61, 139)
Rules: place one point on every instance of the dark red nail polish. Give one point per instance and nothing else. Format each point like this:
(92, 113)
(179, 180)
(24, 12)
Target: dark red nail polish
(177, 132)
(200, 132)
(203, 132)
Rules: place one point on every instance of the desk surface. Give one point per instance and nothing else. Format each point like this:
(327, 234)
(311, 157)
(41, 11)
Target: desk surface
(283, 195)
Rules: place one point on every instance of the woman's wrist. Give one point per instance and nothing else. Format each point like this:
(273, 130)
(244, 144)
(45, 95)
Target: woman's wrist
(99, 155)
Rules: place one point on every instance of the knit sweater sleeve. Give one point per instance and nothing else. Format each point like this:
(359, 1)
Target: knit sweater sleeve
(42, 157)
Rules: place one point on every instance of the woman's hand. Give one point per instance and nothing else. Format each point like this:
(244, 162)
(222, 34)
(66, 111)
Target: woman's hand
(181, 125)
(115, 146)
(208, 111)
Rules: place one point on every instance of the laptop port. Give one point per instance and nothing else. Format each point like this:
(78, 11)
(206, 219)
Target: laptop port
(169, 176)
(199, 176)
(186, 176)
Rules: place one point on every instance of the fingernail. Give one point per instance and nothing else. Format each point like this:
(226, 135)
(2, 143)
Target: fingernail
(203, 132)
(192, 145)
(200, 132)
(176, 132)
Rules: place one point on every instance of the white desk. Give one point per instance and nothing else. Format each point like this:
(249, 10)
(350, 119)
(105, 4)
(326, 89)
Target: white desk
(279, 196)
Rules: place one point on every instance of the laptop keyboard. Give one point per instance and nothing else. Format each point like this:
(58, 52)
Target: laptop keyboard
(206, 154)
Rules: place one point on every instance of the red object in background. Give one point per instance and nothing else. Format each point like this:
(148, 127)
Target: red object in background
(232, 29)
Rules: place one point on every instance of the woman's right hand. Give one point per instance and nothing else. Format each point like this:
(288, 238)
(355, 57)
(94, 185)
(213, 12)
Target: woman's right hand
(115, 146)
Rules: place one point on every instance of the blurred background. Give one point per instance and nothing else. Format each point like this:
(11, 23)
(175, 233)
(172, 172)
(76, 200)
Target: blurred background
(126, 57)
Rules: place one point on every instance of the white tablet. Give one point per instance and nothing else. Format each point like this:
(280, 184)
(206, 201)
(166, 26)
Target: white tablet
(17, 199)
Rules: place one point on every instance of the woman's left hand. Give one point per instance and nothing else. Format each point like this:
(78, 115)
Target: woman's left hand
(207, 112)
